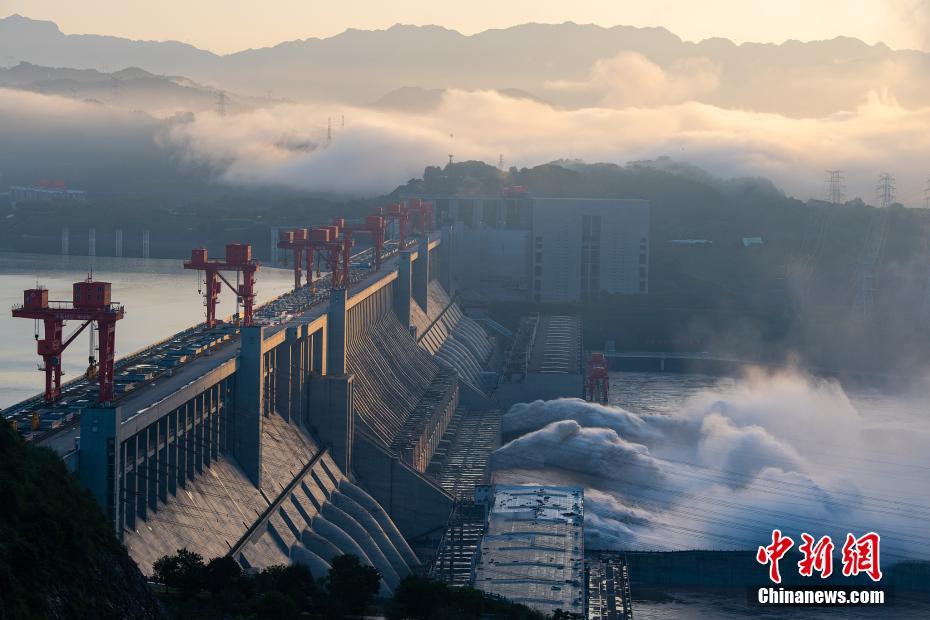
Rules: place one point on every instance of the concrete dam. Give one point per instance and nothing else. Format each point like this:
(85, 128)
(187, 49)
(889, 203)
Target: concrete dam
(328, 433)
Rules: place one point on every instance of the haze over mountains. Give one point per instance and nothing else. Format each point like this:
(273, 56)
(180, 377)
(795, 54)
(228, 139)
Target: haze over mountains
(131, 88)
(557, 63)
(531, 93)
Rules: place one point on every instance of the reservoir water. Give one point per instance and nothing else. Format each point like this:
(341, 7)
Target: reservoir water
(159, 295)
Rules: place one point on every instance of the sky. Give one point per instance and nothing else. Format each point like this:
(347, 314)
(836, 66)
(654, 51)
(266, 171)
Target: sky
(225, 26)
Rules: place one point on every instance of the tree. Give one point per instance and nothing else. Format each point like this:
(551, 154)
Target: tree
(294, 581)
(352, 584)
(184, 571)
(221, 573)
(418, 597)
(276, 606)
(422, 598)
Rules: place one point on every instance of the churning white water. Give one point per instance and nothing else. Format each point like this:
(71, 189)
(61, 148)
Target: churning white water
(700, 463)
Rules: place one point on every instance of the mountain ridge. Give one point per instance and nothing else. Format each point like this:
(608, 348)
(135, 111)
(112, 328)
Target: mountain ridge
(793, 78)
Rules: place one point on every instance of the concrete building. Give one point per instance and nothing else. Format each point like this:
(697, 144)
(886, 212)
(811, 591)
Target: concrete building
(48, 192)
(555, 250)
(614, 239)
(533, 549)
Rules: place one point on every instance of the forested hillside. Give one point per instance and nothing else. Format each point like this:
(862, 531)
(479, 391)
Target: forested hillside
(791, 297)
(58, 556)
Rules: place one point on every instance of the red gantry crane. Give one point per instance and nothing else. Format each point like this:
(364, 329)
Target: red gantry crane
(90, 304)
(238, 259)
(374, 226)
(335, 251)
(298, 241)
(597, 381)
(398, 211)
(423, 210)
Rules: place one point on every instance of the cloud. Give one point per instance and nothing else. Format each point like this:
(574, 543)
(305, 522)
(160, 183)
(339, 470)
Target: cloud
(630, 79)
(378, 150)
(286, 145)
(911, 17)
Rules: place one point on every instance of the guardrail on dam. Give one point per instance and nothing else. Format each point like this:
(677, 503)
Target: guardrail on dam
(299, 441)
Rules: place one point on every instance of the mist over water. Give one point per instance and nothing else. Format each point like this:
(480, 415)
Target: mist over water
(719, 465)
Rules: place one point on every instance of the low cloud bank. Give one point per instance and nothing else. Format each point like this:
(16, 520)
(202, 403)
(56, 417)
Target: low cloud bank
(377, 150)
(287, 144)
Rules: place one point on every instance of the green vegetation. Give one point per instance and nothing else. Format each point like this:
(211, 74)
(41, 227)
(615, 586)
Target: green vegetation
(421, 598)
(351, 585)
(58, 556)
(220, 589)
(790, 298)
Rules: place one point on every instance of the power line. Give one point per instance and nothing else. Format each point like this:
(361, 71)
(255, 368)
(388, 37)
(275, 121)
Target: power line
(661, 499)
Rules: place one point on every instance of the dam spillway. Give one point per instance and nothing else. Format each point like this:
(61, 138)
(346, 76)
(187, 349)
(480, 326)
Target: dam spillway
(301, 439)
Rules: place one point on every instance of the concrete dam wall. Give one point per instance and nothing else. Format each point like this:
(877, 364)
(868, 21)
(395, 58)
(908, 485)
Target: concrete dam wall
(456, 340)
(299, 441)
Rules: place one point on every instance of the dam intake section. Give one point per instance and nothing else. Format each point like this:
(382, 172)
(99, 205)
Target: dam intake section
(299, 440)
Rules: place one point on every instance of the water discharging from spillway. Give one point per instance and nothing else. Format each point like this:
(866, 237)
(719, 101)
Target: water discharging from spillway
(719, 465)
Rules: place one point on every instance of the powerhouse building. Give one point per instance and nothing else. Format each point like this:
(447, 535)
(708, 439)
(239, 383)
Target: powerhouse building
(551, 250)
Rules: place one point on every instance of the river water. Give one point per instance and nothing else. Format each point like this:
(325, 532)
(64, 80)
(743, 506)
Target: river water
(679, 462)
(159, 295)
(900, 465)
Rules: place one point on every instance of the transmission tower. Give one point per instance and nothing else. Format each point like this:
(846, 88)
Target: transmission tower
(871, 254)
(835, 186)
(500, 162)
(885, 190)
(221, 101)
(329, 130)
(927, 194)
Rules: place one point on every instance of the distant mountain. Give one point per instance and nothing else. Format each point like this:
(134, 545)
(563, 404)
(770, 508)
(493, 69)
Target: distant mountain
(555, 62)
(42, 43)
(130, 88)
